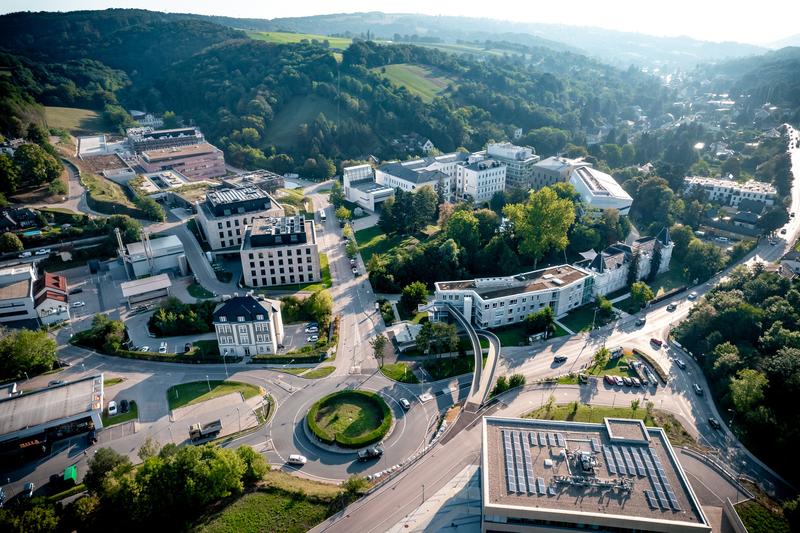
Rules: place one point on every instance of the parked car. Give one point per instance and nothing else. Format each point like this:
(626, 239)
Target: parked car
(560, 359)
(698, 389)
(656, 342)
(297, 459)
(187, 347)
(112, 408)
(692, 295)
(77, 290)
(405, 404)
(641, 321)
(672, 307)
(144, 349)
(27, 490)
(609, 379)
(680, 363)
(312, 329)
(163, 347)
(78, 304)
(627, 381)
(783, 231)
(63, 363)
(352, 262)
(636, 382)
(714, 423)
(43, 251)
(773, 242)
(618, 381)
(355, 271)
(56, 382)
(124, 406)
(312, 338)
(24, 254)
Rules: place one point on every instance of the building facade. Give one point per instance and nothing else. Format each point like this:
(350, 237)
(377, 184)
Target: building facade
(519, 162)
(154, 256)
(197, 161)
(731, 193)
(553, 170)
(248, 325)
(480, 179)
(51, 298)
(599, 190)
(280, 251)
(410, 175)
(143, 139)
(225, 213)
(500, 301)
(360, 187)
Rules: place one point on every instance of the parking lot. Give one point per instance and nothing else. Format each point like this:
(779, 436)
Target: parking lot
(294, 336)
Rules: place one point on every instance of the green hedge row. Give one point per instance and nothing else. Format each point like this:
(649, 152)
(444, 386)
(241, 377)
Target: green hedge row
(164, 357)
(285, 359)
(348, 442)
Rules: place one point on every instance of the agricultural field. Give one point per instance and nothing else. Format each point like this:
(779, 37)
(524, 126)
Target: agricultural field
(424, 82)
(337, 43)
(74, 120)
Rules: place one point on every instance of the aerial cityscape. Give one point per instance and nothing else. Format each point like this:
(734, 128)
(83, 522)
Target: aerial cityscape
(334, 268)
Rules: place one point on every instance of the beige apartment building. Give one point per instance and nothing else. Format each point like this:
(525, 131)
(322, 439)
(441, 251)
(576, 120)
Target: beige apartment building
(226, 212)
(280, 251)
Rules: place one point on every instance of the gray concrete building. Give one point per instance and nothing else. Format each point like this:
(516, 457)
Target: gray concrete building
(280, 251)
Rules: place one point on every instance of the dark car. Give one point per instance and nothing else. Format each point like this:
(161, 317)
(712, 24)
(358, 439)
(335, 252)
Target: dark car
(76, 291)
(627, 381)
(560, 359)
(714, 423)
(370, 453)
(641, 321)
(672, 307)
(187, 346)
(91, 437)
(698, 389)
(124, 406)
(656, 342)
(609, 379)
(680, 363)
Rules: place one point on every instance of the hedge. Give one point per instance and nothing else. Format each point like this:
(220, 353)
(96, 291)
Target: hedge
(348, 442)
(660, 371)
(161, 357)
(287, 359)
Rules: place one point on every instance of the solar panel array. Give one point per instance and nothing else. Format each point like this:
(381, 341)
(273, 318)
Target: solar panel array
(621, 468)
(511, 476)
(595, 445)
(609, 460)
(628, 461)
(673, 500)
(521, 484)
(519, 462)
(526, 455)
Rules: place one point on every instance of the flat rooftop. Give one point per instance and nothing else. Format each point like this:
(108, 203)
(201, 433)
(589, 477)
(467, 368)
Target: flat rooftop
(599, 183)
(369, 186)
(278, 231)
(145, 285)
(162, 246)
(236, 194)
(15, 289)
(619, 468)
(537, 280)
(41, 406)
(166, 154)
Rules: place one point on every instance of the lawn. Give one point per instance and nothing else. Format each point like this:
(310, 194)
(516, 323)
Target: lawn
(350, 416)
(449, 367)
(619, 366)
(104, 190)
(374, 241)
(111, 382)
(399, 372)
(421, 81)
(759, 519)
(270, 510)
(580, 319)
(200, 391)
(517, 335)
(132, 414)
(206, 348)
(198, 291)
(671, 279)
(293, 198)
(628, 306)
(337, 43)
(319, 372)
(415, 318)
(75, 120)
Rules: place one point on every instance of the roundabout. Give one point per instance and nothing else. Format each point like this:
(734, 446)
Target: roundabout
(350, 419)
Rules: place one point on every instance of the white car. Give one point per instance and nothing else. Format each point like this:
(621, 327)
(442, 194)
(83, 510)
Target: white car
(312, 329)
(692, 295)
(24, 254)
(78, 304)
(355, 271)
(312, 338)
(112, 408)
(144, 349)
(162, 348)
(297, 459)
(43, 251)
(405, 404)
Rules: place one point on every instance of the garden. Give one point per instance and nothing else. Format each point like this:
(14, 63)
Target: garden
(351, 419)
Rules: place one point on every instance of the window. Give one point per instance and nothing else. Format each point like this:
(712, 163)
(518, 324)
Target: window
(240, 319)
(259, 317)
(223, 319)
(219, 225)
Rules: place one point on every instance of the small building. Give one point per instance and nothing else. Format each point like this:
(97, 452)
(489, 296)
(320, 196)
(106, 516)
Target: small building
(791, 261)
(154, 256)
(248, 325)
(263, 179)
(51, 298)
(599, 190)
(544, 475)
(17, 293)
(280, 251)
(223, 215)
(31, 422)
(745, 219)
(146, 290)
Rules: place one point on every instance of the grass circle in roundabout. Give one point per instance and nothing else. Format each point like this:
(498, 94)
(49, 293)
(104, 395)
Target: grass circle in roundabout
(350, 418)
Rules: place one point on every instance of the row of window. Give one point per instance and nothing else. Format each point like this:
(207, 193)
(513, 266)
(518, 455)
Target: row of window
(271, 262)
(262, 282)
(253, 273)
(278, 253)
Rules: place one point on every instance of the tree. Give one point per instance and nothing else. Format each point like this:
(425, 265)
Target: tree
(35, 165)
(255, 466)
(437, 337)
(635, 404)
(355, 485)
(726, 359)
(378, 344)
(653, 202)
(24, 351)
(601, 357)
(747, 389)
(128, 227)
(463, 229)
(337, 195)
(488, 224)
(516, 380)
(149, 448)
(320, 306)
(605, 310)
(681, 236)
(655, 261)
(151, 209)
(386, 220)
(641, 293)
(500, 386)
(424, 207)
(541, 320)
(104, 461)
(37, 134)
(702, 260)
(772, 220)
(633, 268)
(9, 176)
(541, 223)
(57, 188)
(412, 295)
(9, 242)
(170, 120)
(343, 214)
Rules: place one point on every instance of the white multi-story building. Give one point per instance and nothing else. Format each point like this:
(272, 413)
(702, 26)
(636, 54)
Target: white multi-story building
(360, 187)
(480, 179)
(519, 162)
(611, 267)
(248, 325)
(225, 213)
(280, 251)
(554, 170)
(500, 301)
(24, 296)
(730, 192)
(598, 190)
(411, 175)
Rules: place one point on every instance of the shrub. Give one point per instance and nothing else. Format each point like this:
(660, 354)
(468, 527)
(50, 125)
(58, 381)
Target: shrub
(342, 440)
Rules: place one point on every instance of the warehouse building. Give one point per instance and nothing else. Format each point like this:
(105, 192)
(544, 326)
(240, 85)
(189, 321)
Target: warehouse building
(154, 256)
(146, 290)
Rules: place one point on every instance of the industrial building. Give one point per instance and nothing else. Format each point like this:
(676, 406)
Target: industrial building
(544, 475)
(280, 251)
(225, 212)
(154, 256)
(146, 290)
(31, 421)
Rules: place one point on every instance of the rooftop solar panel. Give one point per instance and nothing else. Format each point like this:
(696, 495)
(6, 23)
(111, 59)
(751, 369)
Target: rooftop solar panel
(521, 484)
(609, 461)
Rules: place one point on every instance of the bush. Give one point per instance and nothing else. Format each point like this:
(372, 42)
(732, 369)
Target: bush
(504, 384)
(177, 318)
(342, 440)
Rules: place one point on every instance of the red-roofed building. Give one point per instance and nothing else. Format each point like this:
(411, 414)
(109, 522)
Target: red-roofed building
(50, 298)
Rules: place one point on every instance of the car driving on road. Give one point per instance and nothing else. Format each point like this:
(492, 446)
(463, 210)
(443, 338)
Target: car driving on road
(78, 304)
(297, 459)
(373, 452)
(560, 359)
(672, 307)
(680, 363)
(698, 389)
(405, 404)
(692, 295)
(714, 423)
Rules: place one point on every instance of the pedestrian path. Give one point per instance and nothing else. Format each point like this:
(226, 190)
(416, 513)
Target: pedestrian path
(564, 327)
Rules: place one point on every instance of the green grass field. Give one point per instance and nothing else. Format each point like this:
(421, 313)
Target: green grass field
(319, 372)
(198, 291)
(399, 372)
(589, 413)
(759, 519)
(283, 131)
(104, 190)
(198, 391)
(422, 81)
(351, 416)
(282, 37)
(374, 241)
(75, 120)
(580, 319)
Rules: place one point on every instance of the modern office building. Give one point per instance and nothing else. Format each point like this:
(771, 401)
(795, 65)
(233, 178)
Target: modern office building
(263, 179)
(279, 251)
(411, 175)
(225, 212)
(196, 161)
(600, 191)
(519, 162)
(500, 301)
(731, 193)
(154, 256)
(143, 139)
(248, 325)
(544, 475)
(554, 170)
(360, 187)
(479, 179)
(610, 267)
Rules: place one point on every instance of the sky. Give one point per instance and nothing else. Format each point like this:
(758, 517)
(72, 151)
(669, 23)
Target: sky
(752, 22)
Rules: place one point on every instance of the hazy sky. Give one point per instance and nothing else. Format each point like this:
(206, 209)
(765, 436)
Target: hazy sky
(756, 22)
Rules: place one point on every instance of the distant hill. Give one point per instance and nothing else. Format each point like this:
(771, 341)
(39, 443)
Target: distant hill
(792, 40)
(615, 47)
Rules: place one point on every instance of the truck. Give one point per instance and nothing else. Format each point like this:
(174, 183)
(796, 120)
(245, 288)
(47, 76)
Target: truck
(198, 432)
(370, 453)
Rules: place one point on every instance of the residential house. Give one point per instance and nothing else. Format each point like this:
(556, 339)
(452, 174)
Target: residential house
(248, 325)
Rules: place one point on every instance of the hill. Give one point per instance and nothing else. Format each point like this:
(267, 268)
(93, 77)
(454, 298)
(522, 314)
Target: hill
(338, 43)
(419, 80)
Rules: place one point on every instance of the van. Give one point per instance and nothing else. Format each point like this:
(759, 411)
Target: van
(722, 239)
(700, 234)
